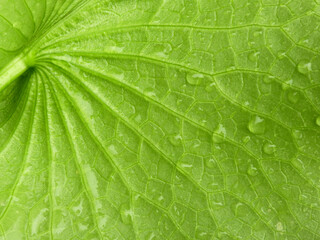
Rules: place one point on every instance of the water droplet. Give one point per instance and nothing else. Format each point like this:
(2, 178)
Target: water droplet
(246, 139)
(194, 79)
(179, 101)
(149, 92)
(125, 213)
(196, 144)
(304, 67)
(269, 148)
(281, 54)
(258, 33)
(293, 96)
(268, 79)
(297, 134)
(252, 171)
(210, 87)
(219, 134)
(210, 163)
(253, 57)
(175, 140)
(217, 138)
(257, 125)
(279, 227)
(318, 121)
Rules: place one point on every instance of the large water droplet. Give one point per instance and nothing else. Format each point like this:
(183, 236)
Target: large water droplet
(269, 148)
(257, 125)
(293, 96)
(125, 213)
(318, 121)
(175, 140)
(252, 171)
(304, 67)
(195, 79)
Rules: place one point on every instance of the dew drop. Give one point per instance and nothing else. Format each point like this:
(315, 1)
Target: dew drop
(318, 121)
(179, 102)
(210, 87)
(210, 163)
(195, 79)
(125, 213)
(297, 134)
(175, 140)
(293, 96)
(258, 33)
(268, 79)
(253, 57)
(246, 139)
(269, 148)
(304, 66)
(252, 171)
(149, 92)
(257, 125)
(219, 134)
(216, 138)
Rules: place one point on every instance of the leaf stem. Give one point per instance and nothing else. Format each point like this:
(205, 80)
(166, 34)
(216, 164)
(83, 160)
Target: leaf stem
(13, 70)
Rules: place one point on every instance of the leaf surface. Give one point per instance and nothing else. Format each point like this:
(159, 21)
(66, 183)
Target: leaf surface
(149, 119)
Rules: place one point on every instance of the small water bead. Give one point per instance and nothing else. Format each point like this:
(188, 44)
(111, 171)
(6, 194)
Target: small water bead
(253, 57)
(216, 138)
(297, 134)
(252, 171)
(246, 139)
(293, 96)
(195, 79)
(269, 148)
(318, 121)
(304, 67)
(149, 92)
(268, 79)
(210, 87)
(125, 213)
(210, 163)
(175, 140)
(257, 125)
(258, 33)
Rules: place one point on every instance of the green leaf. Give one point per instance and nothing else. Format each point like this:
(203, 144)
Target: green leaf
(159, 119)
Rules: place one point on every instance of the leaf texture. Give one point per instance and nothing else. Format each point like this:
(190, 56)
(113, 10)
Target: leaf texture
(158, 119)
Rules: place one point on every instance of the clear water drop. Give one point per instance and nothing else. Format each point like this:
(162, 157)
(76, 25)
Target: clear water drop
(175, 140)
(258, 33)
(252, 170)
(253, 57)
(149, 92)
(246, 139)
(257, 125)
(297, 134)
(125, 213)
(195, 79)
(216, 138)
(304, 67)
(318, 121)
(210, 87)
(210, 163)
(293, 96)
(269, 148)
(268, 79)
